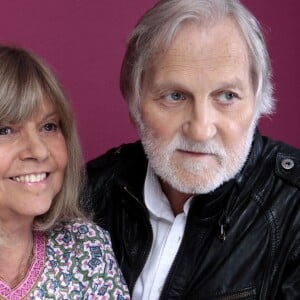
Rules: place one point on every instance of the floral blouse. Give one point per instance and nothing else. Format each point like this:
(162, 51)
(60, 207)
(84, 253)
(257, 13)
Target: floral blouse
(72, 261)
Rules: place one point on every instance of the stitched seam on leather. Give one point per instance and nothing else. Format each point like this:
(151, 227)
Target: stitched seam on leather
(274, 236)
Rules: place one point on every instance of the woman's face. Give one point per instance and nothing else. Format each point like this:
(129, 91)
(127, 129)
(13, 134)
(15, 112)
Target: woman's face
(33, 156)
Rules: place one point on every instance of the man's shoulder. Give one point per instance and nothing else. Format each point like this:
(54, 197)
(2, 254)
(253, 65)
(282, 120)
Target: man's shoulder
(125, 159)
(123, 165)
(116, 155)
(287, 164)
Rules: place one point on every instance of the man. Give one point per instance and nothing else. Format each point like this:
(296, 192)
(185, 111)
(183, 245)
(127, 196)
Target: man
(204, 207)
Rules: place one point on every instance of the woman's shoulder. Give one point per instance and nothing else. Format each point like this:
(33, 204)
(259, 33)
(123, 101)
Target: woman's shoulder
(68, 233)
(80, 262)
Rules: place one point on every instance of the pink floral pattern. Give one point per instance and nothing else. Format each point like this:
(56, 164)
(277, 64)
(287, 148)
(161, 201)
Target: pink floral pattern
(37, 265)
(72, 261)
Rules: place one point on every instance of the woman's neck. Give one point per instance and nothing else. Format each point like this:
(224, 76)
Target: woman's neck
(16, 255)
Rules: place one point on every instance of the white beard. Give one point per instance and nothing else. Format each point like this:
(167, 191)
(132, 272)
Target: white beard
(193, 175)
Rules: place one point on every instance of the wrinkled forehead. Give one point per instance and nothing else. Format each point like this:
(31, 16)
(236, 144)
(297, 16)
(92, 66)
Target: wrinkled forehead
(219, 46)
(226, 29)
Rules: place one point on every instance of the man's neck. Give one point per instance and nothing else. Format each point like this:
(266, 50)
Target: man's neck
(177, 199)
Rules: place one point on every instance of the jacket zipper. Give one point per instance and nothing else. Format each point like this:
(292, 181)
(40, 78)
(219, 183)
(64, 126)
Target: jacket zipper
(145, 254)
(236, 296)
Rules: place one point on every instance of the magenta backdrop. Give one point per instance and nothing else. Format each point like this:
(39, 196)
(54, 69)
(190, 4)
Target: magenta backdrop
(84, 43)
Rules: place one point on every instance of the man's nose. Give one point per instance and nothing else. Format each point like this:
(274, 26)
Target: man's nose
(34, 147)
(200, 122)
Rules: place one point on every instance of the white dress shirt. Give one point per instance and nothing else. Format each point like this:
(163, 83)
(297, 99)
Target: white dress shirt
(167, 234)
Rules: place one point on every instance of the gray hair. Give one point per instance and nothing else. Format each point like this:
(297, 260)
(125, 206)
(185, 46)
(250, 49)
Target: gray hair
(24, 82)
(158, 27)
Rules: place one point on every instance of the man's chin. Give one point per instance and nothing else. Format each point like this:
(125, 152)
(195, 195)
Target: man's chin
(188, 184)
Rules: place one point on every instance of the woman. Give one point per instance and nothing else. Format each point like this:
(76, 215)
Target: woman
(47, 248)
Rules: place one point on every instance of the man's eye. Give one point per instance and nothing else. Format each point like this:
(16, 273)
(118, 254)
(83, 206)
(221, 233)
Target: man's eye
(5, 131)
(50, 127)
(175, 96)
(227, 96)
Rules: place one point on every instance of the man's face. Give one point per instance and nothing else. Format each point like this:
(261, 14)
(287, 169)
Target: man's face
(196, 117)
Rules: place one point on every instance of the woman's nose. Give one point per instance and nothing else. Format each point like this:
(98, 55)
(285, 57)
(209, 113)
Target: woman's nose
(34, 147)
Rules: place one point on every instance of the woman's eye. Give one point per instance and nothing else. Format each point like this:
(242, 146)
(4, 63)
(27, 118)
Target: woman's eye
(50, 127)
(5, 130)
(175, 96)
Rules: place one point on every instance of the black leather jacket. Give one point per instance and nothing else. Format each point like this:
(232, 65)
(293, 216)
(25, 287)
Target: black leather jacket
(257, 257)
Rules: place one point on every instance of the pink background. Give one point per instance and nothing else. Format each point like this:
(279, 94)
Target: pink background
(83, 41)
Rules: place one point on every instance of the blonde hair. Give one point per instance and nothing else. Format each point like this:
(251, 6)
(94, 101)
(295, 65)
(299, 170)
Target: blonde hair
(24, 82)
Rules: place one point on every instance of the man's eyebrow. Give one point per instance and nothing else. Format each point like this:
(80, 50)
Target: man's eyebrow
(232, 83)
(158, 86)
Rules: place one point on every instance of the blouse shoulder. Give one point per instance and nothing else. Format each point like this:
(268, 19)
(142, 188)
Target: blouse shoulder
(83, 251)
(78, 231)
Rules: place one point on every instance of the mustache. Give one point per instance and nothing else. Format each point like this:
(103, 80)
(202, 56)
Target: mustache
(208, 147)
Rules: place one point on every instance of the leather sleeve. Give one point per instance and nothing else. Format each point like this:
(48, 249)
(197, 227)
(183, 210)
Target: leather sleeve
(290, 287)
